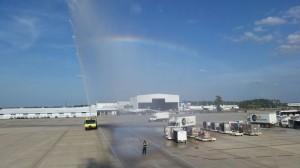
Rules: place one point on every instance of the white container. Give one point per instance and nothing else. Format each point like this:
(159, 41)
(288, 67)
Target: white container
(265, 119)
(180, 135)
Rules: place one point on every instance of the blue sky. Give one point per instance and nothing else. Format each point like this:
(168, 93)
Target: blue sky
(79, 52)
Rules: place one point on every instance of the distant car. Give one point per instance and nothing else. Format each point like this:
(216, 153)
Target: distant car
(90, 123)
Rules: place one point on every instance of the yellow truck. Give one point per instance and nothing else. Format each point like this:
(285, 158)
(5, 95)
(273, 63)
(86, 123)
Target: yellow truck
(90, 123)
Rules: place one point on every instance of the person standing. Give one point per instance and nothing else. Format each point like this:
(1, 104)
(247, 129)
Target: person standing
(144, 147)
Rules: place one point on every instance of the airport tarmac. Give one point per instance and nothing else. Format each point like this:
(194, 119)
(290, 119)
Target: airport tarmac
(117, 143)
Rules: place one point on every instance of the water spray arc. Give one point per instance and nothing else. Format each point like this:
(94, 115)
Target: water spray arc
(80, 60)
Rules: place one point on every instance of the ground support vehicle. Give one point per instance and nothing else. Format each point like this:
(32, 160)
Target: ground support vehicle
(215, 126)
(90, 123)
(205, 136)
(291, 123)
(180, 135)
(185, 123)
(294, 122)
(252, 129)
(265, 119)
(284, 121)
(225, 128)
(159, 116)
(169, 132)
(297, 123)
(175, 133)
(191, 131)
(236, 134)
(206, 125)
(236, 126)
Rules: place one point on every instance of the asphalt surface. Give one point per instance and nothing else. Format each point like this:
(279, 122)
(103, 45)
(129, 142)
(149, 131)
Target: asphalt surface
(117, 143)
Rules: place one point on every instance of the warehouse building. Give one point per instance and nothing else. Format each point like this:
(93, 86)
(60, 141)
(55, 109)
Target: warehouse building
(293, 104)
(161, 102)
(41, 112)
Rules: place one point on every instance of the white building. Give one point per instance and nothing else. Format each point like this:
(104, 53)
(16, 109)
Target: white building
(294, 104)
(188, 106)
(59, 112)
(155, 102)
(229, 107)
(107, 108)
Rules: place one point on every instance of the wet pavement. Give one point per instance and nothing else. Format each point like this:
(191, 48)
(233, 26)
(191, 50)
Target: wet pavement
(118, 143)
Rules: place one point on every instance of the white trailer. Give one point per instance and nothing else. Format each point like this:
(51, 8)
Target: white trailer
(159, 116)
(182, 122)
(265, 119)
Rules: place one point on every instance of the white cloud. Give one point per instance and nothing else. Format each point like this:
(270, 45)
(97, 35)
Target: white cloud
(249, 36)
(136, 9)
(289, 47)
(270, 21)
(20, 33)
(291, 44)
(202, 70)
(270, 12)
(294, 11)
(294, 14)
(259, 29)
(294, 38)
(239, 28)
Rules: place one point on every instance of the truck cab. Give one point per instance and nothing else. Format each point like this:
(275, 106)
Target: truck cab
(284, 121)
(153, 118)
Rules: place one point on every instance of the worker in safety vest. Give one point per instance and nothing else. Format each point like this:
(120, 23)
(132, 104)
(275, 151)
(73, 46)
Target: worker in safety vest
(144, 147)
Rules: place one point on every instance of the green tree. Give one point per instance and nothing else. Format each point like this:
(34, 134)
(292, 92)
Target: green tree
(260, 103)
(218, 103)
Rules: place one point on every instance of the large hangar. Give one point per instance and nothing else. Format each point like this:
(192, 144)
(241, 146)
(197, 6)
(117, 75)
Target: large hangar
(155, 102)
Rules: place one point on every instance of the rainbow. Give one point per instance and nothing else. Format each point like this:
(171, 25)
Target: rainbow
(156, 43)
